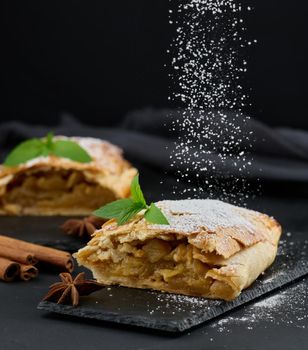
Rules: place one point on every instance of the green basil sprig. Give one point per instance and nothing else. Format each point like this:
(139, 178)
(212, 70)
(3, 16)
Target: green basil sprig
(124, 210)
(46, 146)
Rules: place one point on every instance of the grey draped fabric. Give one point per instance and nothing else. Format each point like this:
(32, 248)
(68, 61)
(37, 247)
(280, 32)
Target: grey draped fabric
(279, 154)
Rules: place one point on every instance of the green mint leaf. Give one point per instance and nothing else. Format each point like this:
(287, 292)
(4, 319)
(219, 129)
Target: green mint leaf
(129, 213)
(155, 216)
(123, 210)
(70, 150)
(25, 151)
(49, 141)
(45, 151)
(47, 146)
(34, 148)
(136, 191)
(113, 209)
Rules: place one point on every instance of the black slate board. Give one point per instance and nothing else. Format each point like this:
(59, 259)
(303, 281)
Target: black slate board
(174, 313)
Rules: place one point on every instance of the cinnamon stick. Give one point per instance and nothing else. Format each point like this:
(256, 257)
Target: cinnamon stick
(51, 256)
(8, 269)
(28, 272)
(17, 255)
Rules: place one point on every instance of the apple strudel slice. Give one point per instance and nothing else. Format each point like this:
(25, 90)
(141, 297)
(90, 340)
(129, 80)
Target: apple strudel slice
(210, 249)
(52, 185)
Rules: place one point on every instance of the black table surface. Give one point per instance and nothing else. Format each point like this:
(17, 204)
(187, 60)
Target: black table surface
(22, 326)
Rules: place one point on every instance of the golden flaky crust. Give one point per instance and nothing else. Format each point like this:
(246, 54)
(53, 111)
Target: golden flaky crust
(225, 248)
(108, 174)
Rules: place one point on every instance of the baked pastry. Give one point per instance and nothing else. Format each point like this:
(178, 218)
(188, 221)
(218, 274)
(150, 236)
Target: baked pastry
(52, 185)
(210, 249)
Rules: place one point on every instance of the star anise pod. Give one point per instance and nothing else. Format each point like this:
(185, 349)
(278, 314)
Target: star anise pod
(82, 227)
(69, 290)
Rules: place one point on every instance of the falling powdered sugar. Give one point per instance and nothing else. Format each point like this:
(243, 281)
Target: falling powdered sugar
(208, 67)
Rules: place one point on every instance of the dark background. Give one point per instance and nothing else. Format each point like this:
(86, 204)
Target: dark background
(101, 59)
(98, 60)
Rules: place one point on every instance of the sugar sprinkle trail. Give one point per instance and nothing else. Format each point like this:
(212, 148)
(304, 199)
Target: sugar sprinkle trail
(272, 310)
(267, 311)
(208, 63)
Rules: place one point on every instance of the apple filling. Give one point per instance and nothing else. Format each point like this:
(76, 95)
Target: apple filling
(54, 192)
(172, 266)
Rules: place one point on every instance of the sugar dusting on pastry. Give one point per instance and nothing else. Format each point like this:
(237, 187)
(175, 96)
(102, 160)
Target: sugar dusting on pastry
(190, 215)
(208, 56)
(95, 147)
(103, 153)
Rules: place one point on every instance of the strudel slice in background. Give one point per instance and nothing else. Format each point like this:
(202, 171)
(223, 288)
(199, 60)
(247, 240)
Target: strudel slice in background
(59, 186)
(210, 249)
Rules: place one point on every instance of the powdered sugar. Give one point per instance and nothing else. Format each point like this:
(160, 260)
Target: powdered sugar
(191, 215)
(288, 307)
(94, 146)
(38, 160)
(177, 303)
(208, 60)
(270, 302)
(103, 153)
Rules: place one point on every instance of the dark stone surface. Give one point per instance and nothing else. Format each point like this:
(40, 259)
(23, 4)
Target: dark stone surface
(22, 326)
(40, 230)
